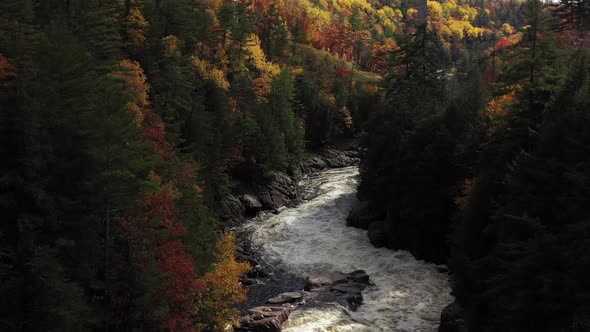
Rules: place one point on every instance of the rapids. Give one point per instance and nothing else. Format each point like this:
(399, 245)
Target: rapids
(408, 295)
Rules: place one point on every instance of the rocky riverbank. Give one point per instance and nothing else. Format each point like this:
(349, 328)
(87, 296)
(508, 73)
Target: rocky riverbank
(367, 215)
(278, 190)
(274, 293)
(342, 288)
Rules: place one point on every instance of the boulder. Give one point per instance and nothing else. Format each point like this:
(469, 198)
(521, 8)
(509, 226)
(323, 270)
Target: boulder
(231, 210)
(342, 288)
(313, 164)
(288, 297)
(318, 280)
(251, 204)
(264, 319)
(338, 159)
(360, 276)
(452, 319)
(272, 200)
(379, 233)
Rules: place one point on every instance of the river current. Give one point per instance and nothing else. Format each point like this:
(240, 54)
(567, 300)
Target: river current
(407, 296)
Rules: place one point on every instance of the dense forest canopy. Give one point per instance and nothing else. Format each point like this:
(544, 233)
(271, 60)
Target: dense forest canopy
(126, 122)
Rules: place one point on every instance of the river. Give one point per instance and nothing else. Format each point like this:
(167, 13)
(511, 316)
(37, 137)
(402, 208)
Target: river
(408, 295)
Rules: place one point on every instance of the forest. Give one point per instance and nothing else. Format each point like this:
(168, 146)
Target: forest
(125, 123)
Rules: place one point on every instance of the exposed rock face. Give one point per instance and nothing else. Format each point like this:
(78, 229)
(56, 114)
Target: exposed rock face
(274, 192)
(279, 189)
(330, 158)
(452, 319)
(342, 288)
(379, 232)
(288, 297)
(251, 204)
(264, 319)
(362, 214)
(231, 211)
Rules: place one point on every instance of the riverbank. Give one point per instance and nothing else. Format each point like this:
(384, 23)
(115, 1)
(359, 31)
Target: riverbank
(312, 238)
(278, 190)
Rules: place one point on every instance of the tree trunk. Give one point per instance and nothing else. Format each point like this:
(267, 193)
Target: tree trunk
(422, 11)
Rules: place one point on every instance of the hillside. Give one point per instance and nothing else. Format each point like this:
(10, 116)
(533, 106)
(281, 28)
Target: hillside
(126, 123)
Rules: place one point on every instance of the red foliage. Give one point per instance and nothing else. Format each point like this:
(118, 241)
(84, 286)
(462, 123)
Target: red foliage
(502, 43)
(343, 72)
(155, 231)
(180, 287)
(7, 73)
(155, 134)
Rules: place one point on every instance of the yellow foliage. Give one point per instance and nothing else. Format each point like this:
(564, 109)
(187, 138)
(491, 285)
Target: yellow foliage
(507, 29)
(258, 58)
(221, 289)
(297, 71)
(209, 72)
(136, 26)
(262, 87)
(136, 84)
(435, 10)
(171, 45)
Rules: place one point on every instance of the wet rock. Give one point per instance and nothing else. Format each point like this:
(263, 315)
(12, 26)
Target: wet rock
(379, 232)
(251, 204)
(318, 280)
(362, 214)
(452, 319)
(272, 200)
(248, 281)
(242, 257)
(231, 211)
(256, 273)
(360, 276)
(264, 319)
(346, 288)
(338, 159)
(288, 297)
(342, 288)
(313, 164)
(354, 300)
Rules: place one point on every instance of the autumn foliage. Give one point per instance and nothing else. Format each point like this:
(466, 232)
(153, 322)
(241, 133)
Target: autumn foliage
(221, 289)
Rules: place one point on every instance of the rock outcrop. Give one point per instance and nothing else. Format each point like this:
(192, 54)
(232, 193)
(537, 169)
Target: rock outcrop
(264, 319)
(279, 189)
(251, 205)
(335, 287)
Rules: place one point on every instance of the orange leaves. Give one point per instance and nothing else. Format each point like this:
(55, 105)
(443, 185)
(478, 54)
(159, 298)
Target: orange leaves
(262, 87)
(171, 46)
(505, 42)
(136, 84)
(497, 107)
(502, 43)
(221, 289)
(136, 27)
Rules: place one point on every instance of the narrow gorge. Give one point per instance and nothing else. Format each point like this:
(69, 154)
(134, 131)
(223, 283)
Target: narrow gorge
(312, 240)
